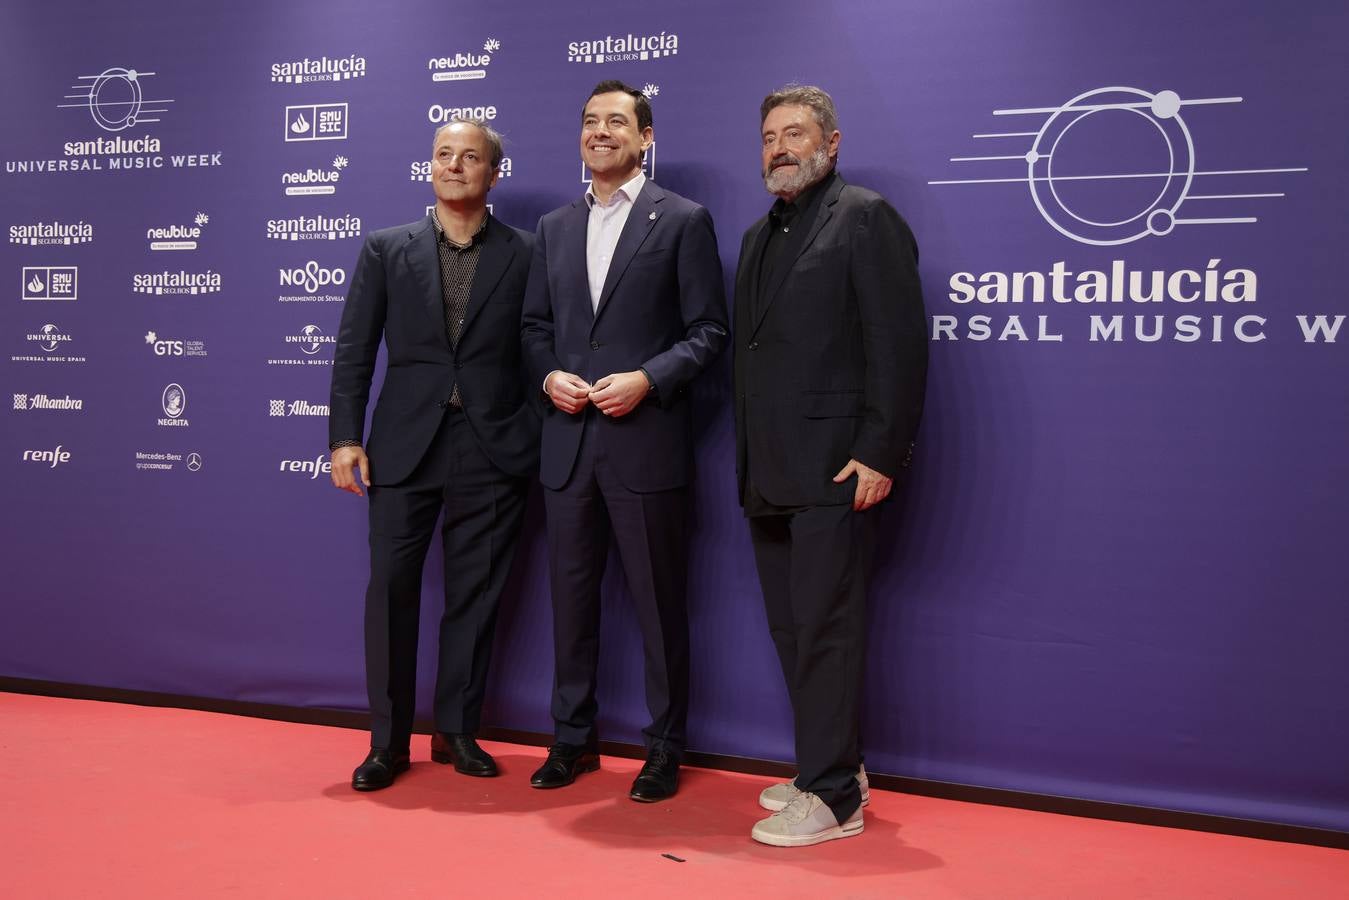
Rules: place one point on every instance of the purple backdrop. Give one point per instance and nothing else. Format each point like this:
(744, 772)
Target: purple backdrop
(1118, 572)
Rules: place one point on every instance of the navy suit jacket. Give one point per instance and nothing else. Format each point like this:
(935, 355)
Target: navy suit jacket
(396, 293)
(663, 309)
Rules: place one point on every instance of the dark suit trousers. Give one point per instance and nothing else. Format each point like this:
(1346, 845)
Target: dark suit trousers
(813, 567)
(484, 508)
(649, 530)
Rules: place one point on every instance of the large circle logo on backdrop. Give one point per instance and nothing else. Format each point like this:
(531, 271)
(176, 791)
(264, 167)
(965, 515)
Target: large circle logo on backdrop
(1147, 136)
(115, 98)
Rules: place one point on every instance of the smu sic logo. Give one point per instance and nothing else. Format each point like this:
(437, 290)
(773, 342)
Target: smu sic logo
(316, 122)
(311, 277)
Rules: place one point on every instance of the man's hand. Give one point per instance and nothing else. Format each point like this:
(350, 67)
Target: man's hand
(569, 393)
(872, 486)
(344, 460)
(618, 394)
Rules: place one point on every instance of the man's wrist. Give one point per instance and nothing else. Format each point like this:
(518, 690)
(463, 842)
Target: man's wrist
(338, 445)
(650, 382)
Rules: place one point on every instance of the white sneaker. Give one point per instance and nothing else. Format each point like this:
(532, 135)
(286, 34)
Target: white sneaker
(805, 821)
(777, 796)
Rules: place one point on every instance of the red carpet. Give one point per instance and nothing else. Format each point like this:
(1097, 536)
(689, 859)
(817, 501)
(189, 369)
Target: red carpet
(109, 800)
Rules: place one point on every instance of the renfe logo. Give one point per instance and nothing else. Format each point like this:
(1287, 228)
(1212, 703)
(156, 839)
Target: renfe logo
(313, 468)
(53, 457)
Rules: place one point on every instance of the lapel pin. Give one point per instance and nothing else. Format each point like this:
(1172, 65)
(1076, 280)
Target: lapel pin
(652, 217)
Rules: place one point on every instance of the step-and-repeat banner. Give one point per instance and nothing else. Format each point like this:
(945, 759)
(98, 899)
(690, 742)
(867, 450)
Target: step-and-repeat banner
(1117, 570)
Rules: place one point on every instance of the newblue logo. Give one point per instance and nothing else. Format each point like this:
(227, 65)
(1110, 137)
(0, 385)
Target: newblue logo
(177, 237)
(463, 66)
(315, 182)
(322, 68)
(316, 122)
(624, 48)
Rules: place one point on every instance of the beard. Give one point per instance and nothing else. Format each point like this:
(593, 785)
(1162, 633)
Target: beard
(807, 172)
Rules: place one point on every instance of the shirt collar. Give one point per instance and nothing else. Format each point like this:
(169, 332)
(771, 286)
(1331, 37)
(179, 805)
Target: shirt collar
(442, 236)
(629, 190)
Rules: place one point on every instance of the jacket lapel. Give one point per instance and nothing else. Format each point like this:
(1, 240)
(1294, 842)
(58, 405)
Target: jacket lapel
(424, 263)
(799, 244)
(498, 249)
(574, 249)
(642, 218)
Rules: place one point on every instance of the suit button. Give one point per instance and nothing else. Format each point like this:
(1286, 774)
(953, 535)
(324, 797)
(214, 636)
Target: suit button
(442, 404)
(594, 345)
(458, 365)
(754, 345)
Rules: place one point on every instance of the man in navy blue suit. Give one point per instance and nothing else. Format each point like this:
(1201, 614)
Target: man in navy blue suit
(625, 307)
(454, 427)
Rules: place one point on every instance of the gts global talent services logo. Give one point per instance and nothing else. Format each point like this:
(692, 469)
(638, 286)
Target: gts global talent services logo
(314, 228)
(174, 347)
(625, 48)
(315, 182)
(322, 68)
(463, 66)
(51, 282)
(43, 233)
(316, 122)
(178, 237)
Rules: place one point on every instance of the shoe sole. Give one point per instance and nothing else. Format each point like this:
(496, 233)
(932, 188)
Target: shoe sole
(848, 829)
(774, 806)
(445, 759)
(581, 768)
(640, 799)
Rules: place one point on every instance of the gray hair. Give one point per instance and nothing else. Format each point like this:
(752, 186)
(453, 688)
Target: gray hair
(817, 99)
(492, 135)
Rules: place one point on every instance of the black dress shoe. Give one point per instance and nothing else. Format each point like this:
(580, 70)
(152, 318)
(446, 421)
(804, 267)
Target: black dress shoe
(659, 778)
(464, 752)
(564, 763)
(379, 770)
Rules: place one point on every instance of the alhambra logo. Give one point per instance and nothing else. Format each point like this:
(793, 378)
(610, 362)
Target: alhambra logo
(464, 66)
(283, 408)
(315, 182)
(314, 228)
(626, 48)
(322, 68)
(179, 282)
(28, 402)
(176, 236)
(1150, 184)
(43, 233)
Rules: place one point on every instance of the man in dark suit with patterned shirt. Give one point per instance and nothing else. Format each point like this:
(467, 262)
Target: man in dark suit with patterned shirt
(454, 427)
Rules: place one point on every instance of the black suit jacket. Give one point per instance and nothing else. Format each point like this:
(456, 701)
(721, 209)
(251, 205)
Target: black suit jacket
(834, 365)
(663, 308)
(396, 292)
